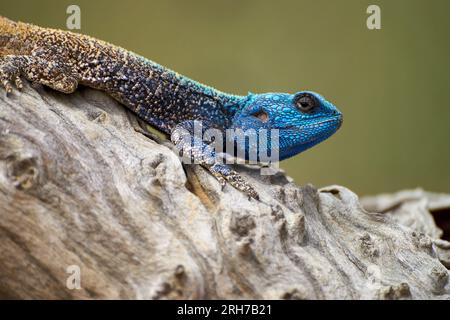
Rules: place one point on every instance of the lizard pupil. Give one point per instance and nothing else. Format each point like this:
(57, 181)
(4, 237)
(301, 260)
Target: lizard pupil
(306, 102)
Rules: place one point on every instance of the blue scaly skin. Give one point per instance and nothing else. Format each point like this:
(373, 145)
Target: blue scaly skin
(172, 103)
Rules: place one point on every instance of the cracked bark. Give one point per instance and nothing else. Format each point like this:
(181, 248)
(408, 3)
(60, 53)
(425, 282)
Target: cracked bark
(79, 186)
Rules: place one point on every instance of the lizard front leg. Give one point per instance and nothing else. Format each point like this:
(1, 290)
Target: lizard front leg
(50, 72)
(198, 151)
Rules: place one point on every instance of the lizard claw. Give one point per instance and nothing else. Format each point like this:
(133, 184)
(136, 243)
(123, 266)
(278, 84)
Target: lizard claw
(19, 84)
(224, 174)
(7, 85)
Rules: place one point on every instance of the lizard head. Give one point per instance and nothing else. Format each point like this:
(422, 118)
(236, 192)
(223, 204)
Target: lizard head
(301, 120)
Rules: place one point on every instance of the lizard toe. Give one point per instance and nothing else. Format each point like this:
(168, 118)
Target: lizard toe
(225, 174)
(18, 82)
(7, 85)
(9, 73)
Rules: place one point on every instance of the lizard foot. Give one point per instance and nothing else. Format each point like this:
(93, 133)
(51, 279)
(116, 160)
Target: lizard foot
(52, 73)
(198, 151)
(10, 73)
(224, 174)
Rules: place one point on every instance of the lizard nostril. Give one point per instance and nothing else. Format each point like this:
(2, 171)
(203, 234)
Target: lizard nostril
(337, 113)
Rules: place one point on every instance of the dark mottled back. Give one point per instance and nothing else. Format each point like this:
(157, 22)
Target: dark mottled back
(160, 96)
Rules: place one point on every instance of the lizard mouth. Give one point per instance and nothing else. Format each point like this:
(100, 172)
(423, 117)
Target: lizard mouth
(322, 129)
(319, 124)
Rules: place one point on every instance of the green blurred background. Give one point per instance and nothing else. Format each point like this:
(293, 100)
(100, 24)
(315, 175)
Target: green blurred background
(391, 84)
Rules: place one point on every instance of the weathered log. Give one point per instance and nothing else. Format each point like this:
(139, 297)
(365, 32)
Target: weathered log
(418, 210)
(80, 187)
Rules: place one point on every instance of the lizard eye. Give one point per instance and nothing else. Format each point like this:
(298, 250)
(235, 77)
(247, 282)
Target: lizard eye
(261, 115)
(306, 102)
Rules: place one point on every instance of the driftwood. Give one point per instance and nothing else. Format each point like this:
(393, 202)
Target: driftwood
(80, 188)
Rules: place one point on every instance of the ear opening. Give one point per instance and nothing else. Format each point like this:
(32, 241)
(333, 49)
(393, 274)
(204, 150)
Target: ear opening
(261, 115)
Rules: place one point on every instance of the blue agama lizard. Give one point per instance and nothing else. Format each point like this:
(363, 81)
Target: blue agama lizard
(161, 97)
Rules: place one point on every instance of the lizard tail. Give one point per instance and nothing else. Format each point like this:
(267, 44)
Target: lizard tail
(12, 34)
(6, 23)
